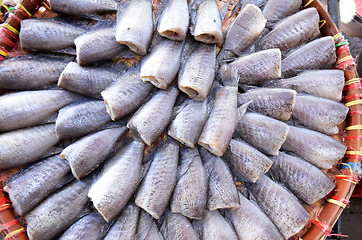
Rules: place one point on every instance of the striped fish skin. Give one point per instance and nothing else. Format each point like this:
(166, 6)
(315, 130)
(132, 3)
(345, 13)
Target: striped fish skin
(147, 228)
(215, 226)
(74, 7)
(135, 25)
(152, 118)
(118, 181)
(177, 227)
(24, 146)
(29, 188)
(275, 10)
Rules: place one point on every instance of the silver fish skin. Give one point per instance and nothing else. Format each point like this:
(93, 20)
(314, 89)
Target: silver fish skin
(58, 212)
(188, 123)
(47, 34)
(293, 31)
(276, 10)
(221, 124)
(321, 150)
(190, 194)
(317, 54)
(75, 7)
(197, 72)
(280, 205)
(90, 227)
(118, 181)
(178, 227)
(258, 3)
(147, 228)
(320, 114)
(327, 83)
(174, 21)
(256, 68)
(89, 152)
(125, 225)
(222, 192)
(246, 160)
(250, 222)
(272, 102)
(162, 64)
(125, 95)
(98, 45)
(152, 118)
(214, 226)
(262, 132)
(306, 181)
(244, 30)
(206, 22)
(81, 118)
(157, 186)
(135, 25)
(23, 146)
(27, 108)
(26, 72)
(32, 186)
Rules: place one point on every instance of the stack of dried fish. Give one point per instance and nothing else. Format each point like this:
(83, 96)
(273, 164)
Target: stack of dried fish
(85, 140)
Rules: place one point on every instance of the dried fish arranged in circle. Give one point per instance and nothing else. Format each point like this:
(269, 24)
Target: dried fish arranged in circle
(147, 228)
(84, 7)
(276, 10)
(215, 226)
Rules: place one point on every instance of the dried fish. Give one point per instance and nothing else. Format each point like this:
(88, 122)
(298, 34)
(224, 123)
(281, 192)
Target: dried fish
(275, 10)
(147, 228)
(177, 227)
(214, 226)
(258, 3)
(84, 7)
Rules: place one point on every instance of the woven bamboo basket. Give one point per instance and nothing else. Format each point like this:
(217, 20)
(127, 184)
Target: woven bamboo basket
(324, 213)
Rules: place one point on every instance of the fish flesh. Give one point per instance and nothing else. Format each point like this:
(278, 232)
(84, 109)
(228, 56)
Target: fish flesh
(89, 152)
(162, 64)
(81, 118)
(118, 181)
(177, 227)
(221, 124)
(174, 21)
(262, 132)
(188, 123)
(281, 206)
(27, 189)
(306, 181)
(275, 103)
(190, 194)
(317, 54)
(135, 24)
(319, 114)
(27, 108)
(147, 228)
(246, 160)
(276, 10)
(84, 7)
(157, 186)
(24, 146)
(59, 211)
(293, 31)
(215, 226)
(152, 118)
(321, 150)
(327, 83)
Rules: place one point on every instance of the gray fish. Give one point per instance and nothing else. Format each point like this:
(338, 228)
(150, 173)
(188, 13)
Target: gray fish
(275, 103)
(27, 108)
(250, 222)
(90, 227)
(47, 34)
(188, 123)
(178, 227)
(190, 194)
(125, 225)
(318, 54)
(84, 7)
(246, 160)
(162, 64)
(281, 206)
(81, 118)
(197, 226)
(58, 212)
(23, 146)
(327, 83)
(30, 187)
(221, 124)
(306, 181)
(197, 72)
(89, 152)
(135, 24)
(258, 3)
(174, 21)
(294, 30)
(214, 226)
(152, 118)
(147, 228)
(157, 186)
(319, 149)
(275, 10)
(118, 181)
(222, 192)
